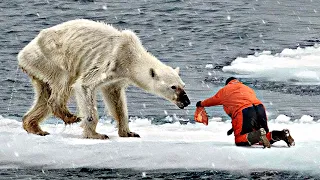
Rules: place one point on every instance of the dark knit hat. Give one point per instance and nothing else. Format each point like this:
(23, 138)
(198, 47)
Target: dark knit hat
(230, 79)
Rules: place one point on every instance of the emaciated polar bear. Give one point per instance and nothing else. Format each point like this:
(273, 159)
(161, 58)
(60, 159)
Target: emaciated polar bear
(81, 56)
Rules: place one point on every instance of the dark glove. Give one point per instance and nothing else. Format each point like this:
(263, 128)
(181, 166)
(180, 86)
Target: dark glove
(230, 132)
(198, 104)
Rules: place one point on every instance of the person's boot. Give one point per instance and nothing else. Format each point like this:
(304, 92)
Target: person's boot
(282, 135)
(259, 136)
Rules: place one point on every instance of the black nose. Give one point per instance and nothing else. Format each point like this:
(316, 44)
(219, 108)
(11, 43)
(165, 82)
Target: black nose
(185, 100)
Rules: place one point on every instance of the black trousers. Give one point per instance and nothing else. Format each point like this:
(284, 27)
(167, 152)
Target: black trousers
(254, 118)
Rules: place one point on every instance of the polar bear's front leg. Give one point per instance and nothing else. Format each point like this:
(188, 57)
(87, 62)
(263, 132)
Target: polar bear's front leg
(86, 102)
(115, 99)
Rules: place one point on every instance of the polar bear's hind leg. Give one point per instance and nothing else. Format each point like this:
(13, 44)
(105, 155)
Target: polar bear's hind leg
(34, 63)
(40, 109)
(58, 103)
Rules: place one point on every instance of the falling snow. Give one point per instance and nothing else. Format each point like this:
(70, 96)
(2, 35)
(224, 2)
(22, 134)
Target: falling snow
(271, 37)
(16, 154)
(209, 66)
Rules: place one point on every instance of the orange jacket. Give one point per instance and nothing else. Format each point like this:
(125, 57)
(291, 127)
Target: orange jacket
(234, 97)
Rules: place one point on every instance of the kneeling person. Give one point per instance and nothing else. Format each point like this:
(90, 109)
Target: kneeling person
(249, 120)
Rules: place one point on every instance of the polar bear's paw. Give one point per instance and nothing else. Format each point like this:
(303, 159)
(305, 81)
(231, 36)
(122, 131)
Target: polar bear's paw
(33, 127)
(129, 134)
(71, 119)
(133, 134)
(96, 136)
(42, 133)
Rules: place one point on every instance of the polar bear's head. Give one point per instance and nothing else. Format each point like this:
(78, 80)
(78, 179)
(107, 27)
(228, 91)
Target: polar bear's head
(166, 82)
(150, 74)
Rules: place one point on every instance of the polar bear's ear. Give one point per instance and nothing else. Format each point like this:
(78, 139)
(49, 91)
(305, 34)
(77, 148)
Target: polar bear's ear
(153, 73)
(177, 69)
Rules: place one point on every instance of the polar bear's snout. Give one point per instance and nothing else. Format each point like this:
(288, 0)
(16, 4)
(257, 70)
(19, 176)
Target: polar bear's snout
(183, 99)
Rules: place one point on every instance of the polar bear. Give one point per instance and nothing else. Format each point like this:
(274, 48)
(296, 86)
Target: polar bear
(81, 56)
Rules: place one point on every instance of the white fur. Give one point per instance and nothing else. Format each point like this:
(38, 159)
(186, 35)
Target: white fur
(82, 56)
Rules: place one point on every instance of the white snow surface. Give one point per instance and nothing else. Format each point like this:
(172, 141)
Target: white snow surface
(297, 65)
(168, 146)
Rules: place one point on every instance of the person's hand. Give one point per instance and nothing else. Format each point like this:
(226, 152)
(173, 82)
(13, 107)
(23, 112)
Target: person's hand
(230, 132)
(198, 104)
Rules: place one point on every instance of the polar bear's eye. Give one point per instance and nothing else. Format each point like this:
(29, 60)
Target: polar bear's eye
(152, 73)
(173, 87)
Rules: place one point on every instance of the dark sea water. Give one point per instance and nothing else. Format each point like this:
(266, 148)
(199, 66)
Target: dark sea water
(188, 34)
(89, 173)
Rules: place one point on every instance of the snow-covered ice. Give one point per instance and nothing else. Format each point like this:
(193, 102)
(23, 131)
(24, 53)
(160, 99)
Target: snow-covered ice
(299, 65)
(171, 145)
